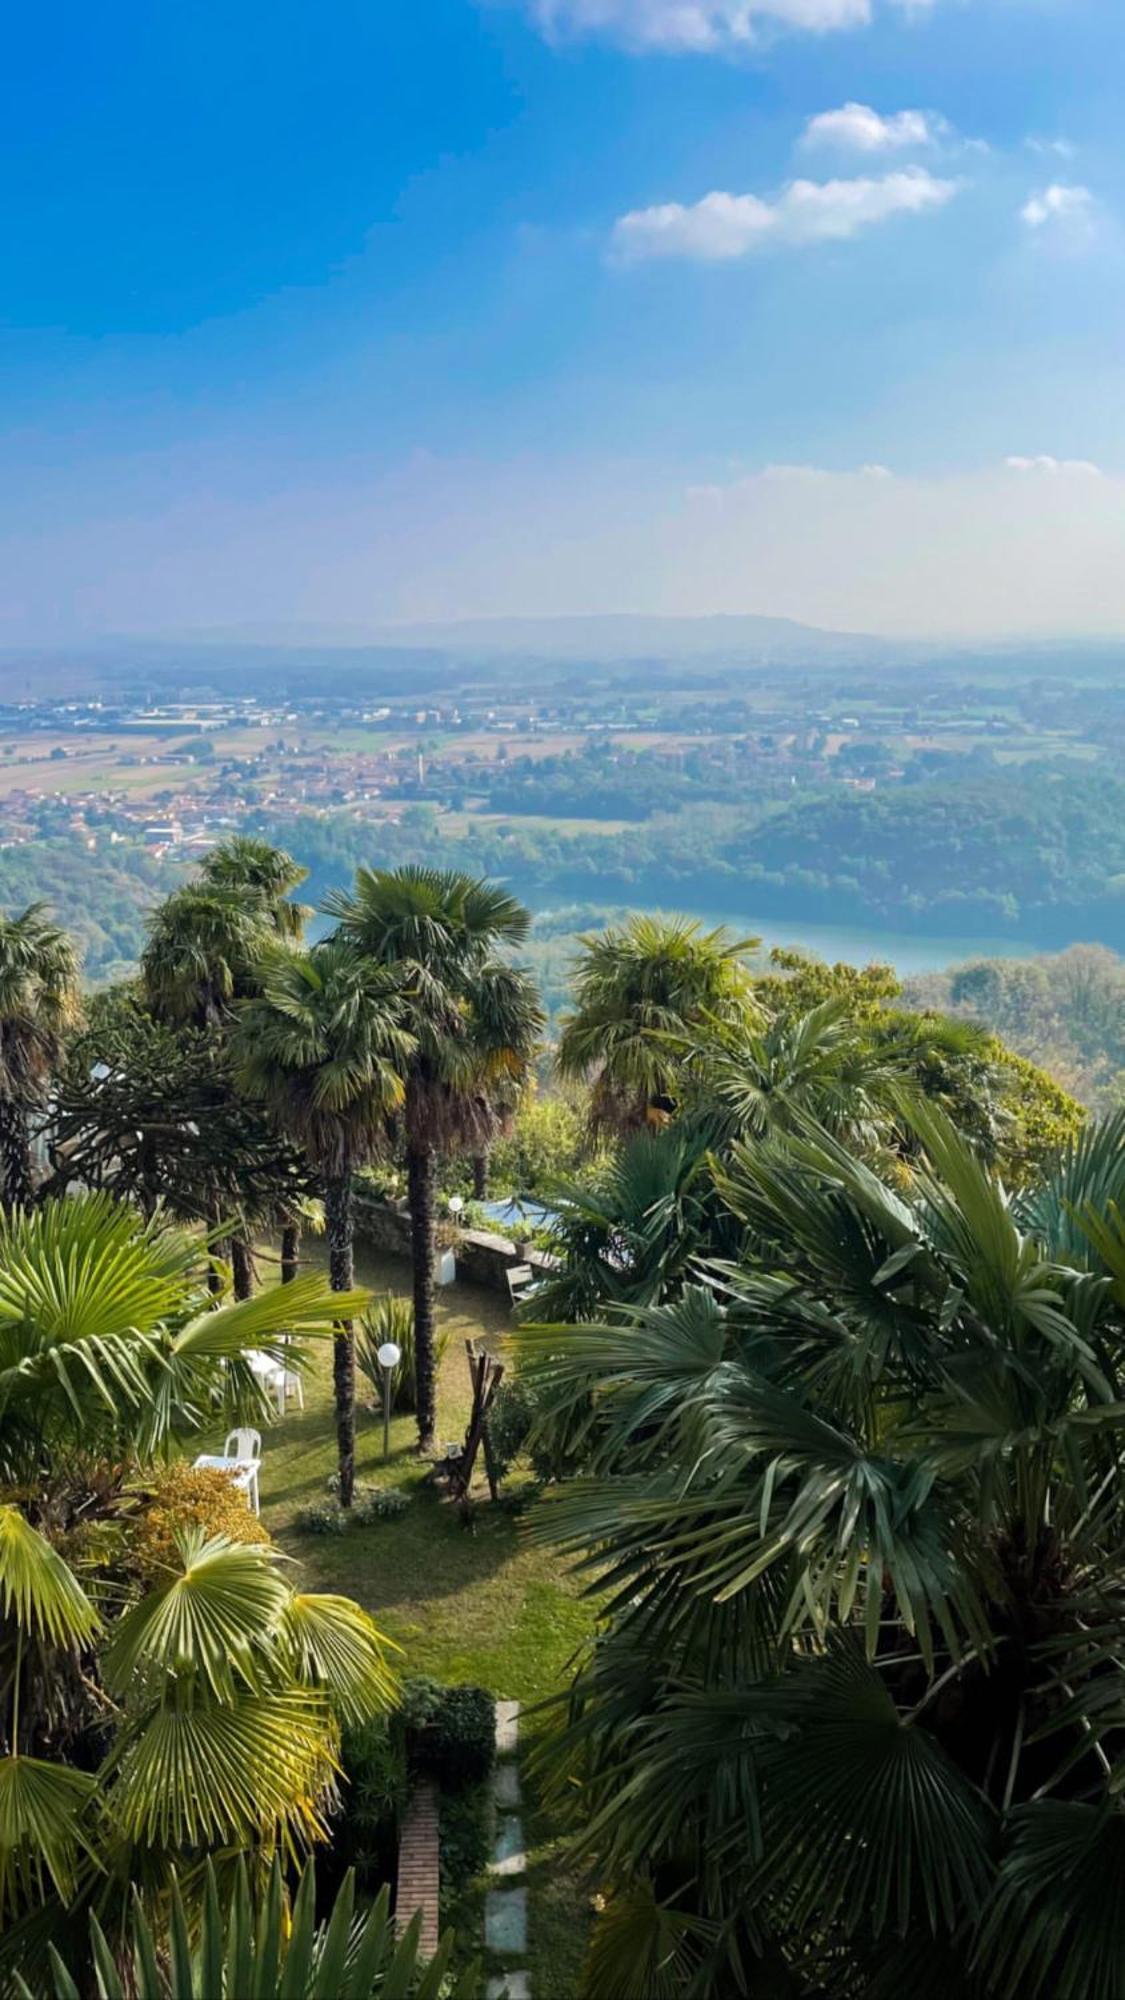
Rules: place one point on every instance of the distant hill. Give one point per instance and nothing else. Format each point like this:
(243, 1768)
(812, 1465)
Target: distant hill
(635, 636)
(434, 654)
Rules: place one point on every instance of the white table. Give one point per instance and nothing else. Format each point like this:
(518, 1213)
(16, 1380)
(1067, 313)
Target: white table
(243, 1471)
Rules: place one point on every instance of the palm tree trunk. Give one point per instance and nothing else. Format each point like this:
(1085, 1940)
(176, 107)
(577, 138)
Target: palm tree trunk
(420, 1165)
(15, 1156)
(215, 1252)
(341, 1276)
(242, 1267)
(480, 1176)
(290, 1251)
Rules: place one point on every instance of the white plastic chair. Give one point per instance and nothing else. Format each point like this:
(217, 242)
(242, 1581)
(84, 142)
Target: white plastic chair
(241, 1456)
(282, 1382)
(290, 1385)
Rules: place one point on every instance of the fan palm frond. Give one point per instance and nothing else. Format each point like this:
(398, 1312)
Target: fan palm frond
(38, 1590)
(41, 1832)
(212, 1621)
(336, 1646)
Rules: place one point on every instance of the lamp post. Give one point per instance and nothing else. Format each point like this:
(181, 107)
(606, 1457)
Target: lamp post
(388, 1358)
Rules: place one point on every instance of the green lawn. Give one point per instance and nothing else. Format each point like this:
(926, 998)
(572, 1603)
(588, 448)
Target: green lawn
(464, 1605)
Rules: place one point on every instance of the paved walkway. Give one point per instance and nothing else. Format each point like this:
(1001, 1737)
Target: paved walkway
(419, 1867)
(505, 1909)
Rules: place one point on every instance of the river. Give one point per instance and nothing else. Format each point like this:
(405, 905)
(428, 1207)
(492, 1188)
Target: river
(907, 951)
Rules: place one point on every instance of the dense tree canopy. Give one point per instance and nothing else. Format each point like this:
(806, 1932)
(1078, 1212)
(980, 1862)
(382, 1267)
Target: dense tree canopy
(853, 1507)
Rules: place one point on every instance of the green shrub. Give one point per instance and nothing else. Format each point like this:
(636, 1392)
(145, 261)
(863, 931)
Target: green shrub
(373, 1793)
(323, 1517)
(379, 1503)
(519, 1425)
(392, 1318)
(450, 1731)
(510, 1418)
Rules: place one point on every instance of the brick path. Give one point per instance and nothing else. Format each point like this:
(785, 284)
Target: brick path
(419, 1867)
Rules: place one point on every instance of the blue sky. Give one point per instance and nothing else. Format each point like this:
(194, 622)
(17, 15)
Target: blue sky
(369, 312)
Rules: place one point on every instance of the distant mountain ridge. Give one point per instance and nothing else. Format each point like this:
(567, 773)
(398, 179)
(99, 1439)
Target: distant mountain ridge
(637, 635)
(383, 659)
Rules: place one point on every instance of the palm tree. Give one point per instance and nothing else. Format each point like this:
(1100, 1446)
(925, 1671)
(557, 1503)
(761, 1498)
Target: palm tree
(38, 1002)
(205, 939)
(644, 992)
(262, 1946)
(853, 1724)
(475, 1021)
(259, 870)
(106, 1345)
(205, 942)
(226, 1687)
(324, 1049)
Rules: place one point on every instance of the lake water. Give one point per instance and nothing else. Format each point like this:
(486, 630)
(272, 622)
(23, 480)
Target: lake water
(854, 946)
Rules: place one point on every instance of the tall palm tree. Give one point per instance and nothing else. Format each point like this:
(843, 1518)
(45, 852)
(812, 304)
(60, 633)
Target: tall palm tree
(38, 1001)
(475, 1021)
(261, 870)
(204, 945)
(645, 992)
(205, 939)
(853, 1724)
(324, 1047)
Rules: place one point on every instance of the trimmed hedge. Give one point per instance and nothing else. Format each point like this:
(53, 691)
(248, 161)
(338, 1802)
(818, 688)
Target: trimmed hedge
(450, 1731)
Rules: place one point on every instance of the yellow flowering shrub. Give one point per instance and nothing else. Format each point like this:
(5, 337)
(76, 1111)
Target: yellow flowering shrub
(179, 1496)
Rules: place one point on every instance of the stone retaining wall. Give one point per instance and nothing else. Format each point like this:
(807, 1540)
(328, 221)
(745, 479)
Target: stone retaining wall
(482, 1258)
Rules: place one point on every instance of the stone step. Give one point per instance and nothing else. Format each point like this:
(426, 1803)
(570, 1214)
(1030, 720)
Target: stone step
(508, 1986)
(505, 1922)
(508, 1856)
(507, 1728)
(506, 1786)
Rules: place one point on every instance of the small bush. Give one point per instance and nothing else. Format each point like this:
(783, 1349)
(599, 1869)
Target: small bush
(510, 1418)
(450, 1731)
(179, 1496)
(322, 1518)
(380, 1503)
(374, 1785)
(392, 1318)
(518, 1427)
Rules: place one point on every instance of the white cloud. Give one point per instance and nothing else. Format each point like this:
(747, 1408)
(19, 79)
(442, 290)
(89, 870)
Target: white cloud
(811, 472)
(861, 129)
(1043, 462)
(701, 26)
(723, 227)
(1062, 149)
(1062, 209)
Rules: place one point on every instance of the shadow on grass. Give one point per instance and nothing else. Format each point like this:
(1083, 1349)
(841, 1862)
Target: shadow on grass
(425, 1556)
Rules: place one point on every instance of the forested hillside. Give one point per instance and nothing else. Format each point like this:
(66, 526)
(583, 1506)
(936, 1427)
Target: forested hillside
(1067, 1012)
(99, 897)
(1040, 851)
(1035, 854)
